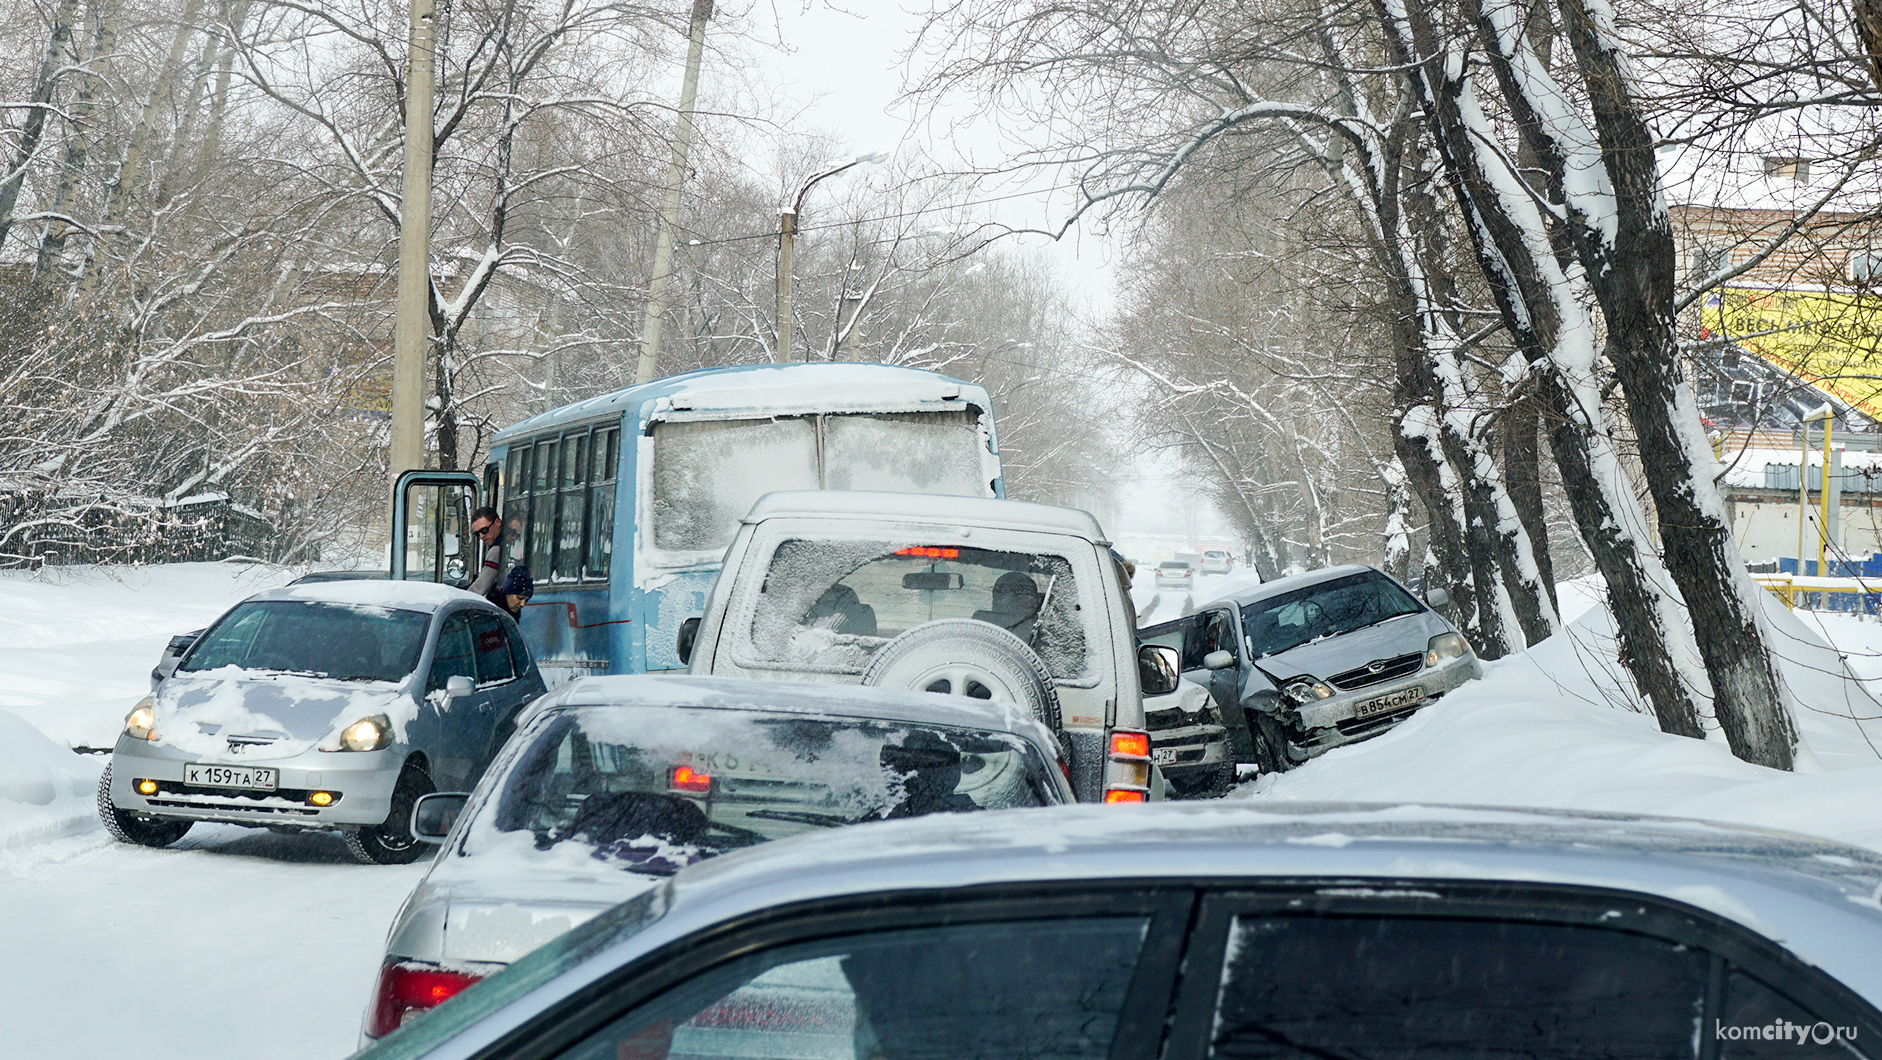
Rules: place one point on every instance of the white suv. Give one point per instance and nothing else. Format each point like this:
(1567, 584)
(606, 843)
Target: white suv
(992, 599)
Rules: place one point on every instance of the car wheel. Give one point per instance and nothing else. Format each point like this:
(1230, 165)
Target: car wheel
(1273, 750)
(392, 843)
(965, 657)
(128, 827)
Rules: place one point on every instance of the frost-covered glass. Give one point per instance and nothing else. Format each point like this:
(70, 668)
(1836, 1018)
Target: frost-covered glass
(1009, 990)
(831, 605)
(1324, 610)
(657, 788)
(907, 452)
(706, 475)
(351, 642)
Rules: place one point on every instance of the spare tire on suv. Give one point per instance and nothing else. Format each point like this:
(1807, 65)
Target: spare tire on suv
(965, 657)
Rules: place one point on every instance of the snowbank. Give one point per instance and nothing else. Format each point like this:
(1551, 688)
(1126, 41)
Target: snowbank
(77, 643)
(1554, 728)
(46, 791)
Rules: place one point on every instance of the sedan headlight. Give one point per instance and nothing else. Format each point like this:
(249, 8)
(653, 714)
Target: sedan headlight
(1306, 690)
(367, 734)
(140, 723)
(1445, 647)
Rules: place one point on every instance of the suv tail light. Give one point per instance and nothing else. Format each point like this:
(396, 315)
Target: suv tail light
(1127, 766)
(409, 988)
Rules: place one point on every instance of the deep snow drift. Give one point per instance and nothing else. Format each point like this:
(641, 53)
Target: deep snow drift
(1552, 728)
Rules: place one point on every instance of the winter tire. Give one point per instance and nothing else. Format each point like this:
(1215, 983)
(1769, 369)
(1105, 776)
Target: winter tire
(392, 843)
(964, 657)
(128, 827)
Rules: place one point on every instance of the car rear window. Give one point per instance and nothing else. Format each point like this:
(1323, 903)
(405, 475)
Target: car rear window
(349, 642)
(831, 605)
(654, 788)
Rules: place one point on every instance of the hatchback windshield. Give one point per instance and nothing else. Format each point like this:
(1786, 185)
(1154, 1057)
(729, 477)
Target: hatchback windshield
(350, 642)
(1324, 610)
(655, 788)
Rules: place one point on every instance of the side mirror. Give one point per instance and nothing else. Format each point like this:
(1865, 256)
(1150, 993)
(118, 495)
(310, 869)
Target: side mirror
(689, 632)
(434, 814)
(1218, 660)
(1437, 598)
(1159, 668)
(457, 686)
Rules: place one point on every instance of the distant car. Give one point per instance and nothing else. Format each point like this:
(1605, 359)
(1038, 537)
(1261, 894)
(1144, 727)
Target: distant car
(1175, 574)
(1210, 932)
(332, 706)
(616, 782)
(1303, 664)
(1217, 561)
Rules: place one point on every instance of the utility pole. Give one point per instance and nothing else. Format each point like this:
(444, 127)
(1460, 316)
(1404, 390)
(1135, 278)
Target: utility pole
(656, 309)
(411, 329)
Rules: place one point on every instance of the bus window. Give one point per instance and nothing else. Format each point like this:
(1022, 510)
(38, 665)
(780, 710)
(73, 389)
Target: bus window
(572, 511)
(905, 452)
(605, 459)
(542, 507)
(707, 474)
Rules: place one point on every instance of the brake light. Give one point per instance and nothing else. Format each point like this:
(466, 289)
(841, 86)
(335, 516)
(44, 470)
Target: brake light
(925, 552)
(1127, 767)
(408, 988)
(1135, 744)
(686, 779)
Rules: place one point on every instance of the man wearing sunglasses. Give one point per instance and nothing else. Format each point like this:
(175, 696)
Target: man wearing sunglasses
(488, 527)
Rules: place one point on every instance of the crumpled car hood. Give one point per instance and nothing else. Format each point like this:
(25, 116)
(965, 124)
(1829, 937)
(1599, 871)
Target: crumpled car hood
(1322, 659)
(199, 712)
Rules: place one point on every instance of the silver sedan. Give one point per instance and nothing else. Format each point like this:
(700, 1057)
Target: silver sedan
(323, 706)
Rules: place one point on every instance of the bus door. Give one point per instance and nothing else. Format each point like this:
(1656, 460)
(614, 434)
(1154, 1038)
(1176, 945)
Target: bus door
(431, 538)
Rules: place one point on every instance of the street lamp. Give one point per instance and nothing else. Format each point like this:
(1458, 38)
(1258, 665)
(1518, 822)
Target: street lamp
(787, 253)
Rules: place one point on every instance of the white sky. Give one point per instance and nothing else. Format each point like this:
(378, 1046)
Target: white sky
(839, 69)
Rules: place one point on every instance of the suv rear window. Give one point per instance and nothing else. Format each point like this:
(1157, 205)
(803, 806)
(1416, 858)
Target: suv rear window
(829, 606)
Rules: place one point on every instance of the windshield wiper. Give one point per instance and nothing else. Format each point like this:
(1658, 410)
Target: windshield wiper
(826, 820)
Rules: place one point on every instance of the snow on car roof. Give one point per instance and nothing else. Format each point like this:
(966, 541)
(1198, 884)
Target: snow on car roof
(1806, 894)
(798, 697)
(403, 595)
(770, 389)
(924, 507)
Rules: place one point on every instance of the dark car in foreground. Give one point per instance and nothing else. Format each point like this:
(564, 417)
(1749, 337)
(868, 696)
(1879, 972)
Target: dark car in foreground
(1210, 932)
(333, 705)
(613, 784)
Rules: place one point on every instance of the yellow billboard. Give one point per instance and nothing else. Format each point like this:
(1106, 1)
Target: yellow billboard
(1830, 339)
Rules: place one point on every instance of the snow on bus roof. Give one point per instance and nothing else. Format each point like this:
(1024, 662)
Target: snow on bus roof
(768, 389)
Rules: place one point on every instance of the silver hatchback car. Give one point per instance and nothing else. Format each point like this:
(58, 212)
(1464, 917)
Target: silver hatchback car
(615, 783)
(1214, 931)
(331, 705)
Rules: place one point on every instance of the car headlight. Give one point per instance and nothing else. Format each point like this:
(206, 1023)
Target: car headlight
(1444, 647)
(367, 734)
(141, 722)
(1306, 690)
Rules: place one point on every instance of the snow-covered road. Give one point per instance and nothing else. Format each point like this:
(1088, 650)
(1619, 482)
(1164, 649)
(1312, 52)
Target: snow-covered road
(234, 943)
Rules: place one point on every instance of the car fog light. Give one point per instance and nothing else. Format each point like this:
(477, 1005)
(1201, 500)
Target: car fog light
(1445, 647)
(321, 798)
(367, 734)
(147, 787)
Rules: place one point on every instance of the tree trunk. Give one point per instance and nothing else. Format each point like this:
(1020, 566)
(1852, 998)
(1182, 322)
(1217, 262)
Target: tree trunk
(77, 139)
(35, 125)
(1522, 467)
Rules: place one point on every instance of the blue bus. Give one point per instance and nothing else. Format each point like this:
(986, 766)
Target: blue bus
(622, 505)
